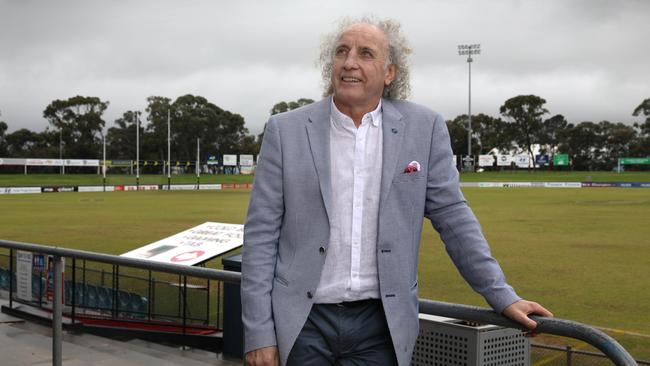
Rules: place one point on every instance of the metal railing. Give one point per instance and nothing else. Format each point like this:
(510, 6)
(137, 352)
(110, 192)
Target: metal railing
(598, 339)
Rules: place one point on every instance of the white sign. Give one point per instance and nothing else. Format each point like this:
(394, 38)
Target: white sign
(522, 161)
(193, 246)
(24, 275)
(20, 190)
(44, 162)
(80, 162)
(504, 160)
(230, 160)
(246, 160)
(455, 160)
(485, 160)
(10, 161)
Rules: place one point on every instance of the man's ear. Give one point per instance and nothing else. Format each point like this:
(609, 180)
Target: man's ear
(390, 74)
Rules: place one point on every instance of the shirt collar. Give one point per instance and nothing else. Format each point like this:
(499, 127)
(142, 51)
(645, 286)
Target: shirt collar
(342, 120)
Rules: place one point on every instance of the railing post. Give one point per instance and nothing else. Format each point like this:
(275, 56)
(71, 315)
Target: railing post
(57, 312)
(569, 356)
(11, 277)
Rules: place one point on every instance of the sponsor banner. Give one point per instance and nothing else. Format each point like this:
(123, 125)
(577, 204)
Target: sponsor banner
(246, 160)
(561, 160)
(469, 184)
(517, 184)
(230, 160)
(181, 187)
(142, 187)
(119, 163)
(212, 160)
(54, 189)
(485, 160)
(194, 245)
(504, 160)
(542, 159)
(24, 275)
(81, 162)
(95, 189)
(10, 161)
(44, 162)
(489, 185)
(522, 161)
(563, 185)
(210, 186)
(629, 161)
(19, 190)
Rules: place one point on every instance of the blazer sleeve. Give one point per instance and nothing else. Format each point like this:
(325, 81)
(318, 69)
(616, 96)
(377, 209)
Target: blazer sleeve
(458, 227)
(261, 236)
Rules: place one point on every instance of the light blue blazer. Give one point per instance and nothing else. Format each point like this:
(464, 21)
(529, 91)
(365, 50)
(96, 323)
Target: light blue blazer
(288, 224)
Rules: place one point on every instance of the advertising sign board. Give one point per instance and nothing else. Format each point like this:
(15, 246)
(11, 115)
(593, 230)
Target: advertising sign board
(522, 161)
(504, 160)
(194, 245)
(485, 160)
(561, 160)
(246, 160)
(230, 160)
(24, 275)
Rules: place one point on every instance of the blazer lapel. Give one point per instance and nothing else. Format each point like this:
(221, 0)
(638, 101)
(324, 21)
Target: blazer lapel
(393, 133)
(318, 132)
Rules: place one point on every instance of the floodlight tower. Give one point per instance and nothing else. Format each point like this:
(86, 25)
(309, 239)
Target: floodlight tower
(469, 50)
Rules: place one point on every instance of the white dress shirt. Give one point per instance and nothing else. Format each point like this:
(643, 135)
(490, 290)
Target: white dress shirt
(350, 270)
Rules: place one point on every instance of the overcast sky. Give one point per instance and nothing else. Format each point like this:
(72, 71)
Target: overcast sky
(588, 58)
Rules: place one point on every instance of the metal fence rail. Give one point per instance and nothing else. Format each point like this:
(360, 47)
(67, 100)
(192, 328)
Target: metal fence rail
(610, 347)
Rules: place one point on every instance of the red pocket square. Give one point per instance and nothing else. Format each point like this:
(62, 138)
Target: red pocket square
(413, 167)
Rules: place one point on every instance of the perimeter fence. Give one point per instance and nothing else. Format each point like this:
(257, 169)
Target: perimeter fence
(128, 290)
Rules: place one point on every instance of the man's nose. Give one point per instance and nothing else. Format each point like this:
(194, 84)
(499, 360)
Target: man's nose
(351, 61)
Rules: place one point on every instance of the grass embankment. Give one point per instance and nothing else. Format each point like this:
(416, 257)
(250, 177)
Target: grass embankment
(583, 253)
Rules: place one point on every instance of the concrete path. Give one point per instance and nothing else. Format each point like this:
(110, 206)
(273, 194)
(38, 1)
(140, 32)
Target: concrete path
(23, 343)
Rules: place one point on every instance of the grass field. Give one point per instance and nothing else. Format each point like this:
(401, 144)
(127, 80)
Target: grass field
(583, 253)
(13, 180)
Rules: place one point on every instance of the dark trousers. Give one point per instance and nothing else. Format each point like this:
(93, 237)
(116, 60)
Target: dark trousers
(344, 334)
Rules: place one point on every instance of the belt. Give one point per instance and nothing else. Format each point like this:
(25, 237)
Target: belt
(358, 303)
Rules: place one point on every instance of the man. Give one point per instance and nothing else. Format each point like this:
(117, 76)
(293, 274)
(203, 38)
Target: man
(329, 269)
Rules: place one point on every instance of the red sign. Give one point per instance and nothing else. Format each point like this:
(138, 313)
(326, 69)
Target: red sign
(187, 256)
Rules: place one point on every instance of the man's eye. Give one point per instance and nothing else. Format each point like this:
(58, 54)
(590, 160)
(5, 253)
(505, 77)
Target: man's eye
(341, 51)
(367, 53)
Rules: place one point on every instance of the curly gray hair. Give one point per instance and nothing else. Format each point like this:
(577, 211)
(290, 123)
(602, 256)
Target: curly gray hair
(398, 51)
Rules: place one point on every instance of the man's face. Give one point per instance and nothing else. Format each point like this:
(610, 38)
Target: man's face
(359, 74)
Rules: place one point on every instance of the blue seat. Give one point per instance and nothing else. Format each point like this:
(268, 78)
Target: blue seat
(92, 297)
(123, 301)
(4, 279)
(105, 298)
(78, 294)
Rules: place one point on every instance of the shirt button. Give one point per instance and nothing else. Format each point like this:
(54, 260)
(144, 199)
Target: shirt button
(309, 295)
(321, 250)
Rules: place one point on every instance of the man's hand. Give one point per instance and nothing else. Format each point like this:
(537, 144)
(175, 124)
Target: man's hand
(520, 310)
(267, 356)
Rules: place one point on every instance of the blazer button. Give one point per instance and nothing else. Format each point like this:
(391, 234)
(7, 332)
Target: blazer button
(321, 250)
(309, 295)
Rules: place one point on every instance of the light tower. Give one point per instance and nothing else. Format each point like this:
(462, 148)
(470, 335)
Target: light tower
(469, 50)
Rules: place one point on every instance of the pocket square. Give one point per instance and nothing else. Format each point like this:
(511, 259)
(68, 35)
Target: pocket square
(413, 167)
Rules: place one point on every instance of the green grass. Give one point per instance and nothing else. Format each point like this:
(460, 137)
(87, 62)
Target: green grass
(14, 180)
(583, 253)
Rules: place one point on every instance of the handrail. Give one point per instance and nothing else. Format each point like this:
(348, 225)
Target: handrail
(606, 344)
(567, 328)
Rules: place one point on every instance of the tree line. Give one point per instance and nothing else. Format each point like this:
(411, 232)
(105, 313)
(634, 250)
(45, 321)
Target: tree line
(77, 124)
(523, 124)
